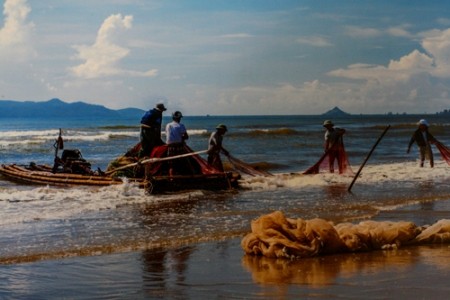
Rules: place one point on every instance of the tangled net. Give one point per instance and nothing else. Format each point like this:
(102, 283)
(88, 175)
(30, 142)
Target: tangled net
(276, 236)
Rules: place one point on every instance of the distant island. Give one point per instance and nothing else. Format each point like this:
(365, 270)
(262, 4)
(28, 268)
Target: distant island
(336, 112)
(56, 108)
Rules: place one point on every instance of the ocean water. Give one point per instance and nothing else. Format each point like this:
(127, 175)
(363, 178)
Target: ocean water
(93, 225)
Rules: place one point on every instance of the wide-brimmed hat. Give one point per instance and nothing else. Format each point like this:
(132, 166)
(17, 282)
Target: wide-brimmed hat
(221, 126)
(327, 122)
(423, 122)
(177, 115)
(161, 107)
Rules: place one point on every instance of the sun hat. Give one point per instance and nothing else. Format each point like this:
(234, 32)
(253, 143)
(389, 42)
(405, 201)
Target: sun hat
(423, 122)
(177, 114)
(221, 126)
(161, 107)
(328, 122)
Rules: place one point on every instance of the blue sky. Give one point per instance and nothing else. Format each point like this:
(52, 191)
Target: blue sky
(229, 57)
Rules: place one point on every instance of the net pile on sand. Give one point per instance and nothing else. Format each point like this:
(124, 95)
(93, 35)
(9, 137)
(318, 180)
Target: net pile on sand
(276, 236)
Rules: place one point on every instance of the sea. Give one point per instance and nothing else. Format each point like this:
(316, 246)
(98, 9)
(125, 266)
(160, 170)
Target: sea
(118, 242)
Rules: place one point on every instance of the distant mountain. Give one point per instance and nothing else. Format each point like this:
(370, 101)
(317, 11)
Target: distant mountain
(55, 108)
(335, 112)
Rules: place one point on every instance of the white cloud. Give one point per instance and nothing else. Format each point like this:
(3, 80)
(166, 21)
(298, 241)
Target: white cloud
(237, 36)
(367, 32)
(438, 46)
(435, 62)
(102, 58)
(399, 31)
(358, 32)
(444, 21)
(15, 34)
(315, 41)
(414, 63)
(414, 82)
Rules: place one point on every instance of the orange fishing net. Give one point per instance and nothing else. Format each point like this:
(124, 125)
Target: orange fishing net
(276, 236)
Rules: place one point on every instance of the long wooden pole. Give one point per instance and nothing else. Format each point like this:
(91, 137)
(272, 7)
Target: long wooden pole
(155, 159)
(367, 157)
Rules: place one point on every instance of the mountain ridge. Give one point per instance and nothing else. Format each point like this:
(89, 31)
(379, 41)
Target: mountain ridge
(56, 108)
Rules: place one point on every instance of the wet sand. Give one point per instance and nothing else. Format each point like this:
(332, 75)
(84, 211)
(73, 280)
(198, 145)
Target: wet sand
(220, 270)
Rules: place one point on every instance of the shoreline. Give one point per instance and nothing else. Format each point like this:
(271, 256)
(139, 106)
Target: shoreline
(221, 269)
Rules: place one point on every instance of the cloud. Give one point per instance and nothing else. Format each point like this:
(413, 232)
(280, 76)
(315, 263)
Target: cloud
(401, 70)
(367, 32)
(416, 82)
(443, 21)
(437, 45)
(435, 62)
(15, 35)
(102, 58)
(360, 32)
(399, 31)
(237, 36)
(315, 41)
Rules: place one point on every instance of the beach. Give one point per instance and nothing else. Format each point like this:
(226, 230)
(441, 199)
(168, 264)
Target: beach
(117, 242)
(220, 270)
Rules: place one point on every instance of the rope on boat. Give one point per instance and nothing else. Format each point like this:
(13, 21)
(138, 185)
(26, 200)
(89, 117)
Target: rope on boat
(155, 159)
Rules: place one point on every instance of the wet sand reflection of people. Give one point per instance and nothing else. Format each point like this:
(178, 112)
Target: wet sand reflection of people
(164, 267)
(322, 271)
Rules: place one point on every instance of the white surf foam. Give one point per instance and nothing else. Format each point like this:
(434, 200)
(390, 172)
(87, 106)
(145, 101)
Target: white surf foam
(402, 173)
(27, 204)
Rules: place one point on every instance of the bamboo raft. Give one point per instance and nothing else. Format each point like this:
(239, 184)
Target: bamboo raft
(30, 176)
(153, 184)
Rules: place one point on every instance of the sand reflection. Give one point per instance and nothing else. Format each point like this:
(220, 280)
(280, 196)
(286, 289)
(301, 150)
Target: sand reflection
(326, 270)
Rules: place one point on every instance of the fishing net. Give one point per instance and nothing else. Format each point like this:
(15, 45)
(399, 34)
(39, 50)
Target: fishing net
(276, 236)
(445, 152)
(190, 165)
(336, 155)
(246, 168)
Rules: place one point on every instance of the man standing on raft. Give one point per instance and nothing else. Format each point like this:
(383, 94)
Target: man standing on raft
(150, 136)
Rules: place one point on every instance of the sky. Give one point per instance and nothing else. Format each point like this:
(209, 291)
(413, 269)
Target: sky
(229, 57)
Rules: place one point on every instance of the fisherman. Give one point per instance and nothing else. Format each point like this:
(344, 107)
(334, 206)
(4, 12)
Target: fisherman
(150, 136)
(215, 147)
(333, 144)
(176, 135)
(423, 139)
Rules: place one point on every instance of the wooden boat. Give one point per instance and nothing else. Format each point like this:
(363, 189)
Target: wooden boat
(72, 170)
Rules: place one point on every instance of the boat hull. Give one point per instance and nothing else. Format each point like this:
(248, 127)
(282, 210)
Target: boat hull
(215, 182)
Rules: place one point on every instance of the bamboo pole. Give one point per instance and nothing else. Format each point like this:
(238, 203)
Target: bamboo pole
(153, 160)
(367, 157)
